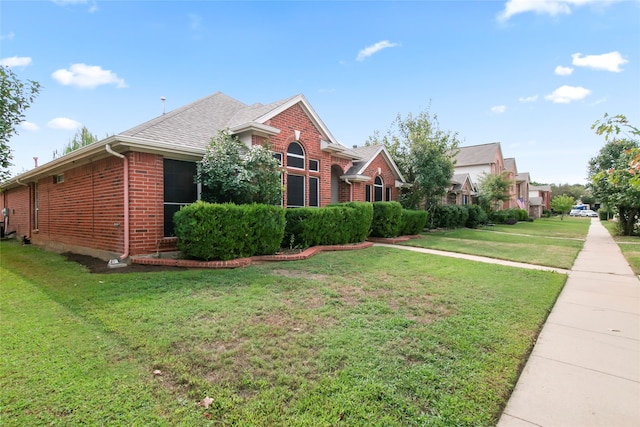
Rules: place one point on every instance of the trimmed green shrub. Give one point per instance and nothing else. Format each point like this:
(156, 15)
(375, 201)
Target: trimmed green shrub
(505, 216)
(523, 215)
(226, 231)
(450, 216)
(387, 219)
(332, 225)
(477, 216)
(412, 222)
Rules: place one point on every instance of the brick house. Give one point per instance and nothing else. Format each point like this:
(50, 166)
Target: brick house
(477, 160)
(117, 196)
(540, 200)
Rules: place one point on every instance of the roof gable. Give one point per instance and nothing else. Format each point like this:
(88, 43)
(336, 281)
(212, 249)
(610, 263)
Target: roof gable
(367, 154)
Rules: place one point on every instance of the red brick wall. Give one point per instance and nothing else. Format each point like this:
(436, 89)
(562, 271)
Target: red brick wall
(86, 209)
(17, 201)
(146, 198)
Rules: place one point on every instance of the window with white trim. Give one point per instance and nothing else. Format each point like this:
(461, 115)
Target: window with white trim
(367, 192)
(180, 189)
(387, 195)
(378, 187)
(295, 156)
(314, 165)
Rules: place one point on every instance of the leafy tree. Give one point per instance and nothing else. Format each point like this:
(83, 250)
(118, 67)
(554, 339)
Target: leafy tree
(16, 97)
(80, 139)
(562, 203)
(494, 188)
(230, 172)
(424, 154)
(613, 173)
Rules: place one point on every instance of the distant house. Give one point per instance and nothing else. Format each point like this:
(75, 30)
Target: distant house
(462, 190)
(477, 160)
(119, 195)
(539, 200)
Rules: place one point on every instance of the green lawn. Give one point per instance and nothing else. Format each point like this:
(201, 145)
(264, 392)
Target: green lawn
(551, 242)
(376, 337)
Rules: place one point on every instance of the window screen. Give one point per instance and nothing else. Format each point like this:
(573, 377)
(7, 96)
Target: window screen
(313, 191)
(295, 191)
(367, 191)
(179, 189)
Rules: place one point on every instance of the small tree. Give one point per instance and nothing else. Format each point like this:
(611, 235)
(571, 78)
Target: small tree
(614, 172)
(494, 189)
(82, 138)
(15, 98)
(562, 204)
(425, 156)
(231, 172)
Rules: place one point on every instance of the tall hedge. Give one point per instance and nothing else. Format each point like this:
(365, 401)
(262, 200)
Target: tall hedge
(413, 222)
(332, 225)
(387, 219)
(226, 231)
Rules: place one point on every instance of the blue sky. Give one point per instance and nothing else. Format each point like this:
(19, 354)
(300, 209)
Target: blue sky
(531, 74)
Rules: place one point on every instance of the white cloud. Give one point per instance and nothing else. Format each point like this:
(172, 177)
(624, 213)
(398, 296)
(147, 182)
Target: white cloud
(566, 94)
(87, 76)
(9, 36)
(63, 123)
(370, 50)
(15, 61)
(93, 5)
(499, 109)
(607, 61)
(563, 71)
(550, 7)
(533, 98)
(30, 126)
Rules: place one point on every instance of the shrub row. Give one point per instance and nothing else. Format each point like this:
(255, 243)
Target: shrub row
(509, 216)
(331, 225)
(226, 231)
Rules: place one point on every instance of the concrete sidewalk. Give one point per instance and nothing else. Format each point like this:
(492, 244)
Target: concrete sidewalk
(585, 367)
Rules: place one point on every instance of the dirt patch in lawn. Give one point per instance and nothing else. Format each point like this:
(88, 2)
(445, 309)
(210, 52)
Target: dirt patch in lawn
(97, 265)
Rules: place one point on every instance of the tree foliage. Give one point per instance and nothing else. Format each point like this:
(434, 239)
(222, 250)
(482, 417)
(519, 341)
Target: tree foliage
(494, 188)
(614, 174)
(82, 138)
(562, 203)
(16, 97)
(231, 172)
(424, 154)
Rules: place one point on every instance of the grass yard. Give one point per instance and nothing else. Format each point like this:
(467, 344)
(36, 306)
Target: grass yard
(552, 242)
(376, 337)
(629, 245)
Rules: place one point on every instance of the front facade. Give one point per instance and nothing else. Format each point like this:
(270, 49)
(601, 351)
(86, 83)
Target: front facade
(118, 196)
(476, 161)
(540, 200)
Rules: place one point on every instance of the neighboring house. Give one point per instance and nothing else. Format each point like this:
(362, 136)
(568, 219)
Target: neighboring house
(477, 160)
(118, 195)
(462, 190)
(522, 190)
(539, 200)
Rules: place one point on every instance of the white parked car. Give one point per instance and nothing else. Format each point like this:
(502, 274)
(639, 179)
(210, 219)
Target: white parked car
(575, 212)
(588, 212)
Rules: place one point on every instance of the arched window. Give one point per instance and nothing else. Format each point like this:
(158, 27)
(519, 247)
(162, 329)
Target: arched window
(295, 156)
(378, 186)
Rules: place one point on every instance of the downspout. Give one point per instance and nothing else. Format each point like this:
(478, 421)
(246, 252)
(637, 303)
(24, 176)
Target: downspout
(107, 147)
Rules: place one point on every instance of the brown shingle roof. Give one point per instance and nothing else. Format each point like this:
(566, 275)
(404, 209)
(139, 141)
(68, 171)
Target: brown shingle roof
(477, 154)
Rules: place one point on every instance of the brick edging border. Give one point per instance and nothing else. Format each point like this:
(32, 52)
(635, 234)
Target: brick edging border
(245, 262)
